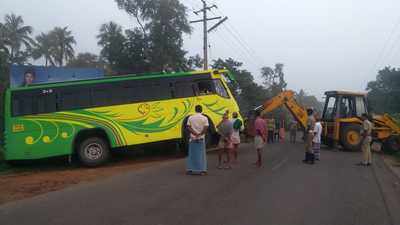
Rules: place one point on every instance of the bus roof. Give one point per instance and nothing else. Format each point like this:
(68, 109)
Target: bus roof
(122, 78)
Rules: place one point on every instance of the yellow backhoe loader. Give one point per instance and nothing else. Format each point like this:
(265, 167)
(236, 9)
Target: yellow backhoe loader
(341, 119)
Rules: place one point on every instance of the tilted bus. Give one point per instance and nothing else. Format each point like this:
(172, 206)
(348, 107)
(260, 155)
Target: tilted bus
(90, 117)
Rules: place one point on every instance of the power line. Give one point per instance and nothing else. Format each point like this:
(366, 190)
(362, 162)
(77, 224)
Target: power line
(236, 31)
(230, 43)
(385, 45)
(232, 38)
(236, 35)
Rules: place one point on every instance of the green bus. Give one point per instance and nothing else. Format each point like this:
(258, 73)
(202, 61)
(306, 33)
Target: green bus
(88, 118)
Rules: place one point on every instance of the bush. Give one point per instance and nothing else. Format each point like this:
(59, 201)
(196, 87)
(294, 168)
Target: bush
(1, 155)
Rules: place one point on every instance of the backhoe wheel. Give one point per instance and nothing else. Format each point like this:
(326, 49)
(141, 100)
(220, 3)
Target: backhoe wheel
(350, 137)
(93, 151)
(392, 144)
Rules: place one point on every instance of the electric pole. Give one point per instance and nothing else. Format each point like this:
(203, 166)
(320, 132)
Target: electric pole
(205, 28)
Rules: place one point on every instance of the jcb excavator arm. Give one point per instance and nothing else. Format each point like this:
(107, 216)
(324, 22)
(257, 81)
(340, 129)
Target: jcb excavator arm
(287, 98)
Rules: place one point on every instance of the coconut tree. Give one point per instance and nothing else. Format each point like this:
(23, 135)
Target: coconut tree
(15, 35)
(62, 41)
(112, 41)
(44, 48)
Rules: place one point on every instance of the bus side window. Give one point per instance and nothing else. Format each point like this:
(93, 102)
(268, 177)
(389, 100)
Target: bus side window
(22, 105)
(74, 98)
(45, 103)
(205, 87)
(220, 89)
(101, 95)
(184, 90)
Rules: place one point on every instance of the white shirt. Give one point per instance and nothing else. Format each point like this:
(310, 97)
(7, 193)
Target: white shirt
(197, 122)
(317, 132)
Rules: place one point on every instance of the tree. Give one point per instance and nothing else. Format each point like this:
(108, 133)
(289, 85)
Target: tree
(135, 59)
(247, 93)
(85, 60)
(13, 36)
(112, 41)
(274, 79)
(194, 62)
(44, 48)
(62, 41)
(309, 101)
(163, 22)
(384, 92)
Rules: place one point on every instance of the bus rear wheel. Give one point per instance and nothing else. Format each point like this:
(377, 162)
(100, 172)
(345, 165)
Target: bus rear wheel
(93, 151)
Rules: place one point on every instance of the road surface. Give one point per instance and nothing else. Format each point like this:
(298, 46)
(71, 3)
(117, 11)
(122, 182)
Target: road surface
(285, 191)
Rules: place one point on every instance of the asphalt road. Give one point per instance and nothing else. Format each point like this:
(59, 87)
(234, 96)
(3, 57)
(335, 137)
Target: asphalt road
(284, 191)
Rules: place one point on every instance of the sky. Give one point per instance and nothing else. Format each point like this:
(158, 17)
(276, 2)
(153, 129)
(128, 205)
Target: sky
(324, 44)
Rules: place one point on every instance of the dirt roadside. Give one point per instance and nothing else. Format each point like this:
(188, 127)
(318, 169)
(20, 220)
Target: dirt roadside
(29, 183)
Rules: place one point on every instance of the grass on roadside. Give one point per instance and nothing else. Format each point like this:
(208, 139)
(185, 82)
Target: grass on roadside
(4, 168)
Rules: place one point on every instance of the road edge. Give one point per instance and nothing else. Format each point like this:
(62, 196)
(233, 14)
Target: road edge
(387, 162)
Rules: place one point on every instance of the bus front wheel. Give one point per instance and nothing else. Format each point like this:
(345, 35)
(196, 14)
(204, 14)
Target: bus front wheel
(93, 151)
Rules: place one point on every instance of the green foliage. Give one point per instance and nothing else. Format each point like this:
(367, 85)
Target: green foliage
(384, 92)
(112, 41)
(274, 79)
(309, 101)
(15, 39)
(85, 60)
(62, 45)
(248, 93)
(44, 48)
(194, 63)
(162, 24)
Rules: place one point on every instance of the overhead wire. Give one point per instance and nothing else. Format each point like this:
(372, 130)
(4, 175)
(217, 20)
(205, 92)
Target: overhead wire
(381, 55)
(228, 42)
(229, 26)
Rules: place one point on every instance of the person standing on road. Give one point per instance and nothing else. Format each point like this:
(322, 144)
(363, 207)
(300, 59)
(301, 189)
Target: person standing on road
(249, 131)
(271, 130)
(309, 155)
(237, 127)
(293, 131)
(317, 139)
(282, 131)
(197, 125)
(366, 132)
(259, 139)
(276, 130)
(225, 130)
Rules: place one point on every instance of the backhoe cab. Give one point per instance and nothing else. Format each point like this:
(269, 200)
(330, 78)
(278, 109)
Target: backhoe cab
(342, 122)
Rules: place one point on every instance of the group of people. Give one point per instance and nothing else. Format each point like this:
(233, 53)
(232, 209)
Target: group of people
(276, 130)
(229, 140)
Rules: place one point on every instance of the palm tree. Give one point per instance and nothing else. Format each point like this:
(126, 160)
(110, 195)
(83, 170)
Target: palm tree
(15, 36)
(44, 47)
(63, 44)
(112, 41)
(3, 48)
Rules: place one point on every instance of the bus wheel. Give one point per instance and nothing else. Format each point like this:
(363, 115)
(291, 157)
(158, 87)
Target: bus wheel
(93, 152)
(350, 137)
(392, 144)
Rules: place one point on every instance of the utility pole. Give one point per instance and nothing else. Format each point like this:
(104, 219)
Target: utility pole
(205, 38)
(205, 28)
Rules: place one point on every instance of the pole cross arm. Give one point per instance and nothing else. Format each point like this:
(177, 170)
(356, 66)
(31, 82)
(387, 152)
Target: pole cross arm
(217, 24)
(202, 20)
